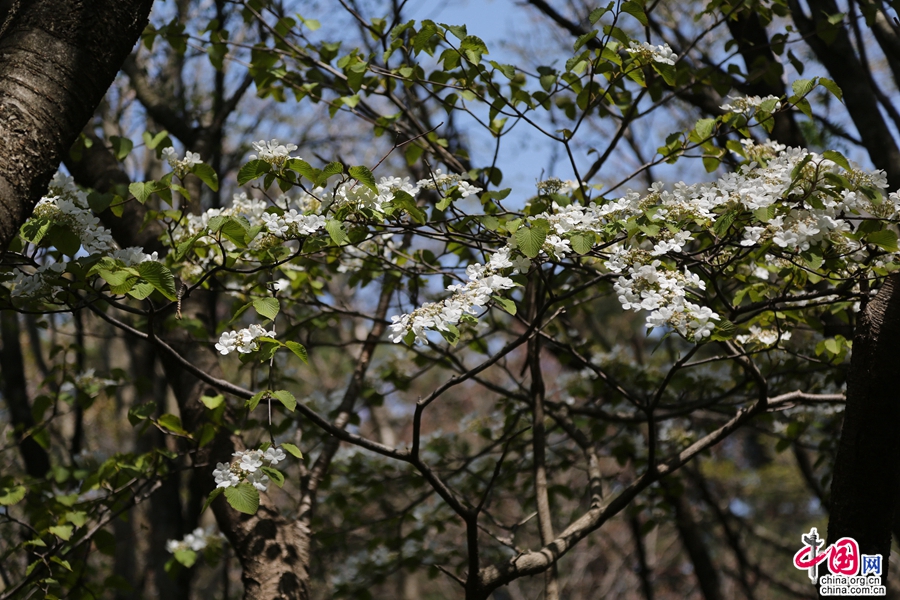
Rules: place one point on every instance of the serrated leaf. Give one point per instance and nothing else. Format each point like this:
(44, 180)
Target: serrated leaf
(276, 476)
(298, 349)
(159, 276)
(63, 532)
(252, 170)
(267, 307)
(332, 168)
(364, 176)
(172, 423)
(243, 498)
(207, 175)
(635, 10)
(582, 243)
(286, 398)
(11, 495)
(584, 39)
(291, 449)
(212, 402)
(506, 304)
(801, 87)
(336, 230)
(141, 412)
(143, 190)
(531, 239)
(837, 158)
(253, 402)
(832, 87)
(121, 146)
(185, 556)
(885, 239)
(704, 128)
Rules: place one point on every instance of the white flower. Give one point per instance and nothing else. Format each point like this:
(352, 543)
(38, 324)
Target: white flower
(273, 152)
(274, 455)
(250, 460)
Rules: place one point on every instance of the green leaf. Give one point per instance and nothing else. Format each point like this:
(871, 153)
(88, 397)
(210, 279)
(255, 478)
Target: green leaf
(832, 87)
(207, 175)
(286, 398)
(506, 304)
(364, 176)
(637, 11)
(254, 401)
(159, 276)
(704, 129)
(274, 474)
(885, 239)
(291, 449)
(802, 87)
(531, 239)
(212, 402)
(833, 346)
(332, 168)
(11, 495)
(153, 141)
(252, 170)
(143, 190)
(267, 307)
(121, 146)
(837, 158)
(172, 423)
(336, 230)
(63, 532)
(584, 39)
(186, 557)
(141, 412)
(212, 496)
(582, 243)
(298, 349)
(243, 498)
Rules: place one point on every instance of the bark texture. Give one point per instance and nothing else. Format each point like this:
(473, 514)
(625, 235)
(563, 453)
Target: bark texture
(864, 491)
(57, 59)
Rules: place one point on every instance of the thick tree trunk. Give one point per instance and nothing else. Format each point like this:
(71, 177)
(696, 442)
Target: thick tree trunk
(864, 491)
(57, 59)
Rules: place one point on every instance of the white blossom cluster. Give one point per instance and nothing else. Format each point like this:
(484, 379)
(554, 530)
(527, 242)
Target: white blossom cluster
(748, 104)
(244, 340)
(247, 466)
(197, 540)
(762, 337)
(273, 152)
(800, 210)
(292, 224)
(181, 166)
(661, 54)
(444, 182)
(67, 205)
(484, 281)
(555, 185)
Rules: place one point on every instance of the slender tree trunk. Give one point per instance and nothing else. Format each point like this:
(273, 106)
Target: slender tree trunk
(864, 491)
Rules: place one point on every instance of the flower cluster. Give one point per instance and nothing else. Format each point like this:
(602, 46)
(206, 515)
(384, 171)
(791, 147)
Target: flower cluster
(66, 205)
(247, 466)
(273, 152)
(762, 337)
(444, 182)
(244, 341)
(484, 281)
(748, 104)
(197, 540)
(661, 54)
(182, 166)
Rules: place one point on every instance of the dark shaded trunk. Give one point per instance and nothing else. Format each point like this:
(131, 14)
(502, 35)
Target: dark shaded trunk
(12, 368)
(865, 485)
(692, 539)
(57, 59)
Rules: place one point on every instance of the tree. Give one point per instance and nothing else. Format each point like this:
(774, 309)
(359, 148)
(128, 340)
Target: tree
(753, 275)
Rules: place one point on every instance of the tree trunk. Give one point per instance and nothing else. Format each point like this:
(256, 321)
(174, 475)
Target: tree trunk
(865, 485)
(57, 59)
